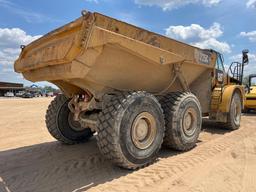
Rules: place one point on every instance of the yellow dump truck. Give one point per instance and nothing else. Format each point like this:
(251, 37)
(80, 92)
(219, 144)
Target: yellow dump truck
(131, 88)
(250, 97)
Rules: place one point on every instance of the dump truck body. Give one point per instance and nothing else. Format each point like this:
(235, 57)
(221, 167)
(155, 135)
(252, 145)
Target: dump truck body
(135, 88)
(98, 53)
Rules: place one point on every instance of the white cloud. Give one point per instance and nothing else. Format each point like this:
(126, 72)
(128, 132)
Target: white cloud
(174, 4)
(10, 41)
(13, 38)
(7, 70)
(238, 57)
(251, 4)
(222, 47)
(251, 35)
(198, 36)
(7, 58)
(194, 31)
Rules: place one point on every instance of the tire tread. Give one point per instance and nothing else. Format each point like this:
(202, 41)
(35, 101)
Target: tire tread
(107, 139)
(51, 121)
(170, 104)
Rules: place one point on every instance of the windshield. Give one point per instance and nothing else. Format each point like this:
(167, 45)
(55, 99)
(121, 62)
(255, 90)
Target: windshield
(219, 62)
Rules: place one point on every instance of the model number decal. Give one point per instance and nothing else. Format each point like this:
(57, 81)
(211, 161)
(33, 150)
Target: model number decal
(203, 57)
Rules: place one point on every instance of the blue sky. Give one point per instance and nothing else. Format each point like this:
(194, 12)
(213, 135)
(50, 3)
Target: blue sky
(225, 25)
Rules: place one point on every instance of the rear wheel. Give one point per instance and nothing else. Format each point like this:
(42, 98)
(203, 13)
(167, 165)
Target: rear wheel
(235, 112)
(131, 129)
(60, 123)
(183, 120)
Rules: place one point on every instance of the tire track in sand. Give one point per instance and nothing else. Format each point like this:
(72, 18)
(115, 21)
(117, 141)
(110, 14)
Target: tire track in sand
(249, 179)
(224, 172)
(172, 168)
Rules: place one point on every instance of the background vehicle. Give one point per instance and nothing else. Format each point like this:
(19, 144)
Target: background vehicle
(250, 97)
(135, 88)
(19, 94)
(9, 94)
(27, 95)
(49, 94)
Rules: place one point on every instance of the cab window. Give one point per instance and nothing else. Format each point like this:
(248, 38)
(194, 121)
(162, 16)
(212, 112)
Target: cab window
(219, 63)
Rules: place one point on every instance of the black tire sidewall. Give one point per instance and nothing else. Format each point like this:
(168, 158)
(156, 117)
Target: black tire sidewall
(177, 122)
(231, 116)
(64, 127)
(125, 120)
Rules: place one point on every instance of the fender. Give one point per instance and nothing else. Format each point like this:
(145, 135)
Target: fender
(227, 94)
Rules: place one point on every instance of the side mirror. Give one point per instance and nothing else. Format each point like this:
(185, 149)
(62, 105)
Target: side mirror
(245, 57)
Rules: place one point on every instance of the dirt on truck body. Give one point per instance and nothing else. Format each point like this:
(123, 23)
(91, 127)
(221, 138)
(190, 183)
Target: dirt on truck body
(134, 88)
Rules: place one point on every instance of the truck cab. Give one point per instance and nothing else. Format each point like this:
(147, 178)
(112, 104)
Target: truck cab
(226, 83)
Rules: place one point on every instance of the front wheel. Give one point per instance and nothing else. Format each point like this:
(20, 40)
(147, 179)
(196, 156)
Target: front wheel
(235, 112)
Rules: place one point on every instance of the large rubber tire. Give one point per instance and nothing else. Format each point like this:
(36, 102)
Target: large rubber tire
(177, 107)
(59, 126)
(235, 112)
(116, 124)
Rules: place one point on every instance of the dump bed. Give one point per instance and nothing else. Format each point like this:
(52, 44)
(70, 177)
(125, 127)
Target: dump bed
(98, 53)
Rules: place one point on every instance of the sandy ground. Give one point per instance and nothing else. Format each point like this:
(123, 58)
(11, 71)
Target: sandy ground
(31, 160)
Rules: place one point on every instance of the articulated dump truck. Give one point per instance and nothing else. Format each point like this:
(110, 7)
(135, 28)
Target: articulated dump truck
(133, 89)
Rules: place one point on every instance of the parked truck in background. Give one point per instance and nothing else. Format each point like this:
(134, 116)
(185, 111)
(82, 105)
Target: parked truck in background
(9, 94)
(250, 96)
(134, 88)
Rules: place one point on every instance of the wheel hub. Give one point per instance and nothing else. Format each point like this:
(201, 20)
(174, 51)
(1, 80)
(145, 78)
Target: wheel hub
(236, 110)
(189, 122)
(75, 125)
(143, 130)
